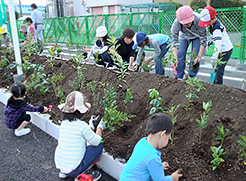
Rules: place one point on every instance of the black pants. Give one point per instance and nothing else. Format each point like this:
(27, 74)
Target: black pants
(23, 117)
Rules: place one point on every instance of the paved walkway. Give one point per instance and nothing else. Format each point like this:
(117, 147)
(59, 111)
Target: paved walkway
(30, 157)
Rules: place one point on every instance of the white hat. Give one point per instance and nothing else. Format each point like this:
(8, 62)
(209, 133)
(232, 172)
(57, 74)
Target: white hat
(75, 101)
(101, 31)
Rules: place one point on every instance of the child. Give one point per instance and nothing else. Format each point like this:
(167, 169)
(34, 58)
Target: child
(145, 162)
(159, 42)
(15, 110)
(30, 32)
(101, 49)
(23, 30)
(222, 44)
(73, 156)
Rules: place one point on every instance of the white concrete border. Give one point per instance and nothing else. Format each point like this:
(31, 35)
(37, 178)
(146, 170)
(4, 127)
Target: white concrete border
(106, 163)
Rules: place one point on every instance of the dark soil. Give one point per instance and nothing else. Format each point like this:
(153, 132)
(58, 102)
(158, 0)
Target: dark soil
(228, 109)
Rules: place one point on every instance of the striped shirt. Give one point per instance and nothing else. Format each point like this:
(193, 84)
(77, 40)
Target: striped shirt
(72, 144)
(220, 38)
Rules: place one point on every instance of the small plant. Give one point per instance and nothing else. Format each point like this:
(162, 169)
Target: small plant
(243, 147)
(156, 101)
(128, 97)
(113, 117)
(96, 88)
(193, 86)
(222, 133)
(203, 123)
(54, 79)
(79, 81)
(171, 111)
(147, 67)
(217, 152)
(61, 95)
(4, 62)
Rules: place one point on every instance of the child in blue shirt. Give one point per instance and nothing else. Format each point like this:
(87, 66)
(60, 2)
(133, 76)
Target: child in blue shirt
(145, 162)
(159, 42)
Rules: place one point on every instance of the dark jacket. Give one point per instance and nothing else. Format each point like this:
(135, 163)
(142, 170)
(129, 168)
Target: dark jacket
(15, 108)
(124, 50)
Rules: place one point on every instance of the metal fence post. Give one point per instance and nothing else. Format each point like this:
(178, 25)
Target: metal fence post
(130, 20)
(161, 22)
(69, 28)
(243, 37)
(106, 21)
(87, 34)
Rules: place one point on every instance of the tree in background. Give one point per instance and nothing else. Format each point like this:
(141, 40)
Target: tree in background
(178, 5)
(226, 3)
(196, 4)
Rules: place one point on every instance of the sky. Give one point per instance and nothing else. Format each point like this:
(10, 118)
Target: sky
(29, 2)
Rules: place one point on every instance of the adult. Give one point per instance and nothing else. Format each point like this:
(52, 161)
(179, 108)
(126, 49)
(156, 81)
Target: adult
(37, 19)
(100, 51)
(222, 43)
(124, 49)
(185, 30)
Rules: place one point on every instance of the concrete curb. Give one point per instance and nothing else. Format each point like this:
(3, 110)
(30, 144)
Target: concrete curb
(42, 121)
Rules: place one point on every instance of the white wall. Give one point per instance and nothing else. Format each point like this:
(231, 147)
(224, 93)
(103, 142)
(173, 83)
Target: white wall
(79, 9)
(93, 3)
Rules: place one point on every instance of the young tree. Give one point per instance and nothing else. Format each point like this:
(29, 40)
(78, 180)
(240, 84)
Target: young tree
(226, 3)
(196, 4)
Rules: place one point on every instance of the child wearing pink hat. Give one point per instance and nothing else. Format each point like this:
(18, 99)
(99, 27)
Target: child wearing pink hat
(185, 30)
(222, 44)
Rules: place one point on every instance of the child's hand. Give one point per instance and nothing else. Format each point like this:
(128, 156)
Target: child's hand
(165, 166)
(93, 121)
(175, 176)
(46, 109)
(101, 125)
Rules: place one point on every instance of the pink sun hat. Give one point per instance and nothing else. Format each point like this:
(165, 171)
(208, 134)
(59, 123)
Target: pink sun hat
(185, 14)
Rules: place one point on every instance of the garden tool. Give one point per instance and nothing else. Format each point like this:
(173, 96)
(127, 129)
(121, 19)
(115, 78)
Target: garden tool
(84, 177)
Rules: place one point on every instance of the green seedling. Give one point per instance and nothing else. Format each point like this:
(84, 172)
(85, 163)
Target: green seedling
(128, 97)
(110, 98)
(79, 81)
(156, 101)
(243, 147)
(61, 95)
(54, 79)
(217, 152)
(193, 86)
(222, 134)
(172, 112)
(203, 123)
(4, 62)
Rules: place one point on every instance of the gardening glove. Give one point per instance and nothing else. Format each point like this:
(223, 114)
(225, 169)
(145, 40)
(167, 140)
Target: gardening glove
(93, 122)
(101, 125)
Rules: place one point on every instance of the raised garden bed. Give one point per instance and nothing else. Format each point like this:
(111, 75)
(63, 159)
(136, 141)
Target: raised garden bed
(228, 109)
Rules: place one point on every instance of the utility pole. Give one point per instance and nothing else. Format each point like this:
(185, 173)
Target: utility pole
(20, 8)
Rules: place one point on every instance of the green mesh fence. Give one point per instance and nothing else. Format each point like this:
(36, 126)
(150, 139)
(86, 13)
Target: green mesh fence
(83, 28)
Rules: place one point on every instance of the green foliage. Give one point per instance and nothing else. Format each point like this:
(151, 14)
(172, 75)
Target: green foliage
(147, 67)
(4, 62)
(27, 66)
(54, 79)
(203, 123)
(96, 88)
(113, 117)
(79, 80)
(171, 111)
(193, 86)
(61, 94)
(178, 5)
(243, 147)
(217, 152)
(156, 101)
(196, 4)
(222, 134)
(226, 3)
(128, 97)
(39, 81)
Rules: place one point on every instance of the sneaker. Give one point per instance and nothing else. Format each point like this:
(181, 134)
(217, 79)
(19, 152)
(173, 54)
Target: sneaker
(112, 67)
(62, 175)
(22, 132)
(94, 173)
(98, 65)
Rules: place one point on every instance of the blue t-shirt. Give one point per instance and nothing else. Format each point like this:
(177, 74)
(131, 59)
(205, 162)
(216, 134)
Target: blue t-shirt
(144, 164)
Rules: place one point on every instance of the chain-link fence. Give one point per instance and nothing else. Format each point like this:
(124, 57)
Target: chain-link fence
(83, 28)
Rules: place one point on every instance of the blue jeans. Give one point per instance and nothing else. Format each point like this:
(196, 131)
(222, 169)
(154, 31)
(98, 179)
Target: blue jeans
(158, 61)
(183, 46)
(92, 153)
(220, 69)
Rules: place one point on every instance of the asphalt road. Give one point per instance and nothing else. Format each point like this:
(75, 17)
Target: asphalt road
(29, 157)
